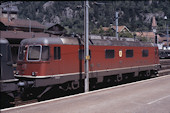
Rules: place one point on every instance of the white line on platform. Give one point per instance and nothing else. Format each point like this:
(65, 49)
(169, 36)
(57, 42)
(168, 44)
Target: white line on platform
(158, 99)
(91, 92)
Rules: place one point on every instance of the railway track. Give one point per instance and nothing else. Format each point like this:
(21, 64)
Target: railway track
(165, 67)
(165, 64)
(19, 102)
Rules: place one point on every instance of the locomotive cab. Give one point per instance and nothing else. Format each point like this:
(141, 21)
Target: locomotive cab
(36, 54)
(34, 64)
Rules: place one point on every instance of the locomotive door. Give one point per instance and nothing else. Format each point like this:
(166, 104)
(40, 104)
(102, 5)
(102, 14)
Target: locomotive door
(57, 58)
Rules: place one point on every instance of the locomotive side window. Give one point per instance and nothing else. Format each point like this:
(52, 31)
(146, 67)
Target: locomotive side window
(34, 52)
(45, 53)
(145, 53)
(109, 53)
(81, 54)
(22, 51)
(129, 53)
(57, 53)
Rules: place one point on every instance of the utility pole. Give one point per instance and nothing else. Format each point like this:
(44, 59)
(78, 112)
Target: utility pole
(86, 47)
(167, 34)
(29, 24)
(154, 28)
(117, 36)
(167, 31)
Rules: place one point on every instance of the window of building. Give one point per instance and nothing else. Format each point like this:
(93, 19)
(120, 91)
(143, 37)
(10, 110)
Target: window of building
(129, 53)
(57, 53)
(109, 53)
(145, 53)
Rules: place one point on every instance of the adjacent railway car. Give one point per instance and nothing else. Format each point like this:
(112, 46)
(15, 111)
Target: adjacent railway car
(45, 62)
(164, 54)
(8, 84)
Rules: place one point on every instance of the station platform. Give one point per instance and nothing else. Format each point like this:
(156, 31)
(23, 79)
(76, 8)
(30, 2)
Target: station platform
(147, 96)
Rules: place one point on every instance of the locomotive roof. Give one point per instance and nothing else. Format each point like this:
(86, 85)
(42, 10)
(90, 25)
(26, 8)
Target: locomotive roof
(3, 41)
(78, 41)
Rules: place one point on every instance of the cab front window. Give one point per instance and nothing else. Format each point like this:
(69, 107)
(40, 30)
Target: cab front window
(34, 52)
(38, 52)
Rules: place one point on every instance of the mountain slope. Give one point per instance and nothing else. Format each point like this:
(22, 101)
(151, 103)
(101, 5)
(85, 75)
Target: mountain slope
(136, 15)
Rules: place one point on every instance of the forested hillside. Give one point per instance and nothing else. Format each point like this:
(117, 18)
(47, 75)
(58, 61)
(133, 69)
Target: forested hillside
(136, 15)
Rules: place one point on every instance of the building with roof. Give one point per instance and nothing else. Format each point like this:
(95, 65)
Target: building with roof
(10, 12)
(161, 38)
(55, 29)
(21, 25)
(149, 35)
(120, 29)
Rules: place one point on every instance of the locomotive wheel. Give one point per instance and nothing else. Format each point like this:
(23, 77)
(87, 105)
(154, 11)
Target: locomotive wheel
(119, 78)
(75, 85)
(147, 74)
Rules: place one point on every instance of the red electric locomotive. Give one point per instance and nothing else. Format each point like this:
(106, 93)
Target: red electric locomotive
(45, 62)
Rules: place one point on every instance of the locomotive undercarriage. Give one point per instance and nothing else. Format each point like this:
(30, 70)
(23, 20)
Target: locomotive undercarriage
(7, 99)
(38, 88)
(8, 91)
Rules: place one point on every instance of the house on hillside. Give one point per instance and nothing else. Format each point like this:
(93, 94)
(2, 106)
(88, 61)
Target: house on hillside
(9, 12)
(149, 35)
(123, 31)
(55, 29)
(120, 29)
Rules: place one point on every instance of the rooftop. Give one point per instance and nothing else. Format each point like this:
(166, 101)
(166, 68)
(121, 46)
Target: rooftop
(21, 23)
(22, 35)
